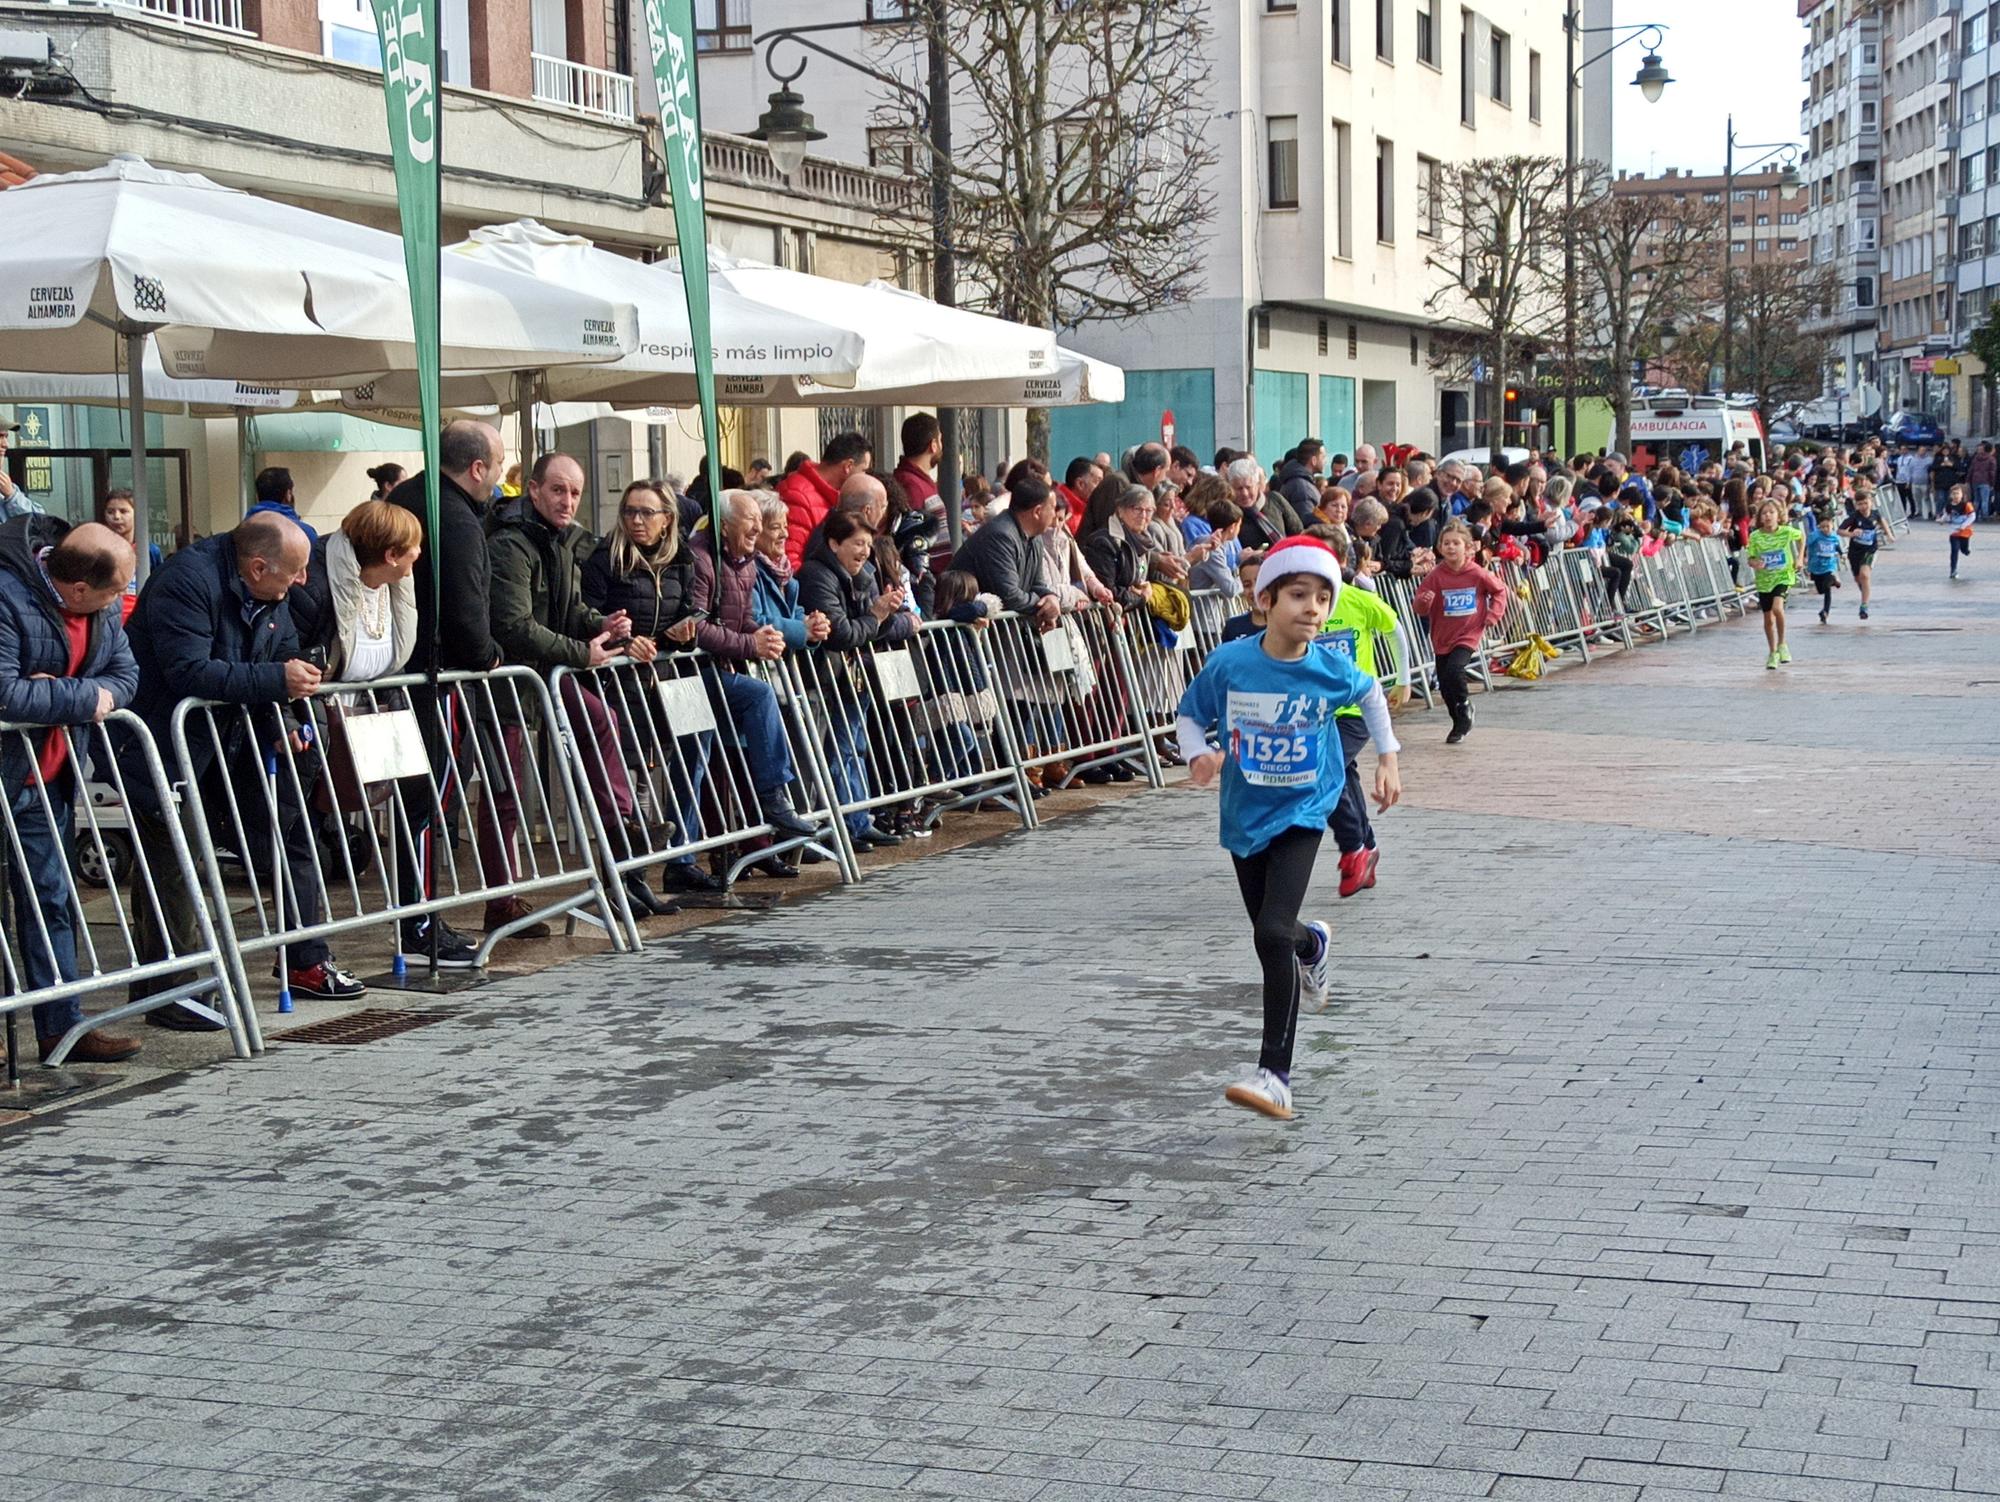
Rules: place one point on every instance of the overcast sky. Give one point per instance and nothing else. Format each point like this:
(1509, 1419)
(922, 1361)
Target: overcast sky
(1725, 55)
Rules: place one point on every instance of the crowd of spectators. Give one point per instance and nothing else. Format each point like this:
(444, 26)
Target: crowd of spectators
(812, 561)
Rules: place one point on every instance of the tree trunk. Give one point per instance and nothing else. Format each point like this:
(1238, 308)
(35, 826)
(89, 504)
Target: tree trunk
(1496, 401)
(1038, 435)
(1621, 397)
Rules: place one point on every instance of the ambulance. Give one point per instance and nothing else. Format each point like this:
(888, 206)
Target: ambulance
(1673, 427)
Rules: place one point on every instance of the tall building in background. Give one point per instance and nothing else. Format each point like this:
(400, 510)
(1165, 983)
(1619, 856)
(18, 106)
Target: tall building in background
(1920, 176)
(1841, 119)
(1330, 120)
(1977, 237)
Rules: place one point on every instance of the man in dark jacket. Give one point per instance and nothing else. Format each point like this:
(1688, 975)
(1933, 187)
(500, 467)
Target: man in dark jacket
(63, 661)
(1296, 482)
(470, 459)
(213, 624)
(1001, 554)
(541, 621)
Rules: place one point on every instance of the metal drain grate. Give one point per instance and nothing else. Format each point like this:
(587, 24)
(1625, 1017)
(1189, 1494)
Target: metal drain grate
(364, 1026)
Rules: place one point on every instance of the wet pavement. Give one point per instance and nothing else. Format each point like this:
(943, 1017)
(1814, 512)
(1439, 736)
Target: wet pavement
(1647, 1151)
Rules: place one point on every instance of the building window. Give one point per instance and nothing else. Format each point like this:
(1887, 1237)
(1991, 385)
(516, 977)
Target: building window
(722, 25)
(1285, 5)
(1340, 21)
(1867, 114)
(1343, 190)
(1972, 173)
(1788, 219)
(1972, 34)
(350, 44)
(1353, 341)
(1430, 191)
(1788, 245)
(1972, 241)
(1263, 331)
(1283, 160)
(892, 148)
(1385, 191)
(1385, 30)
(1079, 177)
(1972, 105)
(1427, 32)
(1468, 88)
(1416, 346)
(1764, 245)
(1535, 87)
(1322, 336)
(886, 12)
(1500, 59)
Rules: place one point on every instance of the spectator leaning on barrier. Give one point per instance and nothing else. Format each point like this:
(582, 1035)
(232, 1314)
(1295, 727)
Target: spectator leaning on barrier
(1001, 555)
(729, 631)
(1080, 482)
(470, 455)
(1264, 522)
(812, 490)
(358, 603)
(776, 602)
(215, 623)
(541, 621)
(64, 660)
(837, 582)
(1117, 550)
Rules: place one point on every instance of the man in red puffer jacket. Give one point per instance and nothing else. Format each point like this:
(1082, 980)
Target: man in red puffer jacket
(810, 491)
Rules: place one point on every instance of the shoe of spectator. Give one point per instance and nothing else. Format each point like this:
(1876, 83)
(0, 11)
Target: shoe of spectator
(786, 821)
(1122, 772)
(1097, 777)
(638, 838)
(91, 1048)
(1351, 878)
(813, 857)
(776, 867)
(510, 909)
(1315, 975)
(325, 981)
(875, 834)
(1264, 1093)
(179, 1019)
(646, 903)
(455, 951)
(686, 876)
(1054, 775)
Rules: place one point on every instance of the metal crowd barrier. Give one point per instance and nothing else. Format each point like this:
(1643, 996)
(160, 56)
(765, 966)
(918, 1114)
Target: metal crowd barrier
(1889, 502)
(344, 824)
(1071, 693)
(909, 722)
(670, 733)
(59, 940)
(1400, 595)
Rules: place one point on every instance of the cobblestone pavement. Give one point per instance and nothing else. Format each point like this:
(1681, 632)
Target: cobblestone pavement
(1647, 1152)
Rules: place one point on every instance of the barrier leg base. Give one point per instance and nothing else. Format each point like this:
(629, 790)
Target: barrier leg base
(41, 1087)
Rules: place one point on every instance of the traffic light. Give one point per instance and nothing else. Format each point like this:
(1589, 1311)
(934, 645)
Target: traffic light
(1513, 395)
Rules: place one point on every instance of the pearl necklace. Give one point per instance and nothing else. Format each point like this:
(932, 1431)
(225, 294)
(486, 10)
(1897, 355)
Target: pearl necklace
(374, 612)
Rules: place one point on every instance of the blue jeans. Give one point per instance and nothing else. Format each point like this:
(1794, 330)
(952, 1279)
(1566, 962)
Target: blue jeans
(1982, 499)
(753, 711)
(848, 764)
(44, 886)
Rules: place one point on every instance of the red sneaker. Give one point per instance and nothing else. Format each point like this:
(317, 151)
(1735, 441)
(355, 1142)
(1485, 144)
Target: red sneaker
(1353, 875)
(1370, 859)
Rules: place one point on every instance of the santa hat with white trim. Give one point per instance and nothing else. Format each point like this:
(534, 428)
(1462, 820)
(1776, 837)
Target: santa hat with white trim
(1299, 555)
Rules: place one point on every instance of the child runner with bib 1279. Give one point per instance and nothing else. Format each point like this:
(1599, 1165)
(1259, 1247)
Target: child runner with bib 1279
(1274, 697)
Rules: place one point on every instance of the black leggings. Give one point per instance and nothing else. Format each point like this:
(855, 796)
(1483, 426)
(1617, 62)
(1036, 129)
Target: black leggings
(1452, 681)
(1274, 883)
(1826, 583)
(1617, 578)
(1961, 547)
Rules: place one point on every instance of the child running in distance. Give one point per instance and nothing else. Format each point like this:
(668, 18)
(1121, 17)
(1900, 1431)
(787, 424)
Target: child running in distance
(1251, 621)
(1959, 515)
(1774, 558)
(1359, 619)
(1276, 700)
(1863, 531)
(1823, 562)
(1459, 601)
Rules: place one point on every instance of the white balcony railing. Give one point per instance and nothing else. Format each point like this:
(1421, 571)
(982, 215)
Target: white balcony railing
(218, 15)
(577, 86)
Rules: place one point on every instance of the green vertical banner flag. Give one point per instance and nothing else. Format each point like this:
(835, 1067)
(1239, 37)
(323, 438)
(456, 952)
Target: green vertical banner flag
(409, 36)
(670, 30)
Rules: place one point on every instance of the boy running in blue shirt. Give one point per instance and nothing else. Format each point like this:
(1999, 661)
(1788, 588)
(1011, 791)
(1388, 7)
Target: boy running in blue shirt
(1823, 549)
(1275, 698)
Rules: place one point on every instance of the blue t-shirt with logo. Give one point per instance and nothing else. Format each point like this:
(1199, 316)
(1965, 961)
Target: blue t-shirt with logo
(1823, 551)
(1282, 764)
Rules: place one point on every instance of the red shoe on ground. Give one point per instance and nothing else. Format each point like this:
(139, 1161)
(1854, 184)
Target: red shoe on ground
(1353, 872)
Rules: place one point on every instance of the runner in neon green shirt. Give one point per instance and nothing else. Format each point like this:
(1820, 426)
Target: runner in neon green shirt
(1359, 617)
(1774, 550)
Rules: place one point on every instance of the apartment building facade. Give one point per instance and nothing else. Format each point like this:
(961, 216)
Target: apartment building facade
(1767, 219)
(542, 118)
(1920, 172)
(1976, 243)
(1330, 120)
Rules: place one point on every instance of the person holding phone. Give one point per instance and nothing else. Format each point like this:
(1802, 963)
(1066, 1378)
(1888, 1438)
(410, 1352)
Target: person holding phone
(542, 620)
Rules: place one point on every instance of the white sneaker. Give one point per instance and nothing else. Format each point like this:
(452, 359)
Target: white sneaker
(1264, 1093)
(1313, 976)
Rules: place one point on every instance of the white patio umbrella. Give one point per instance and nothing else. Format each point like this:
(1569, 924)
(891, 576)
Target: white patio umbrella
(163, 393)
(915, 346)
(241, 287)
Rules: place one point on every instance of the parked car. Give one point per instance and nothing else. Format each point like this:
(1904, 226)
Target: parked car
(1483, 456)
(1912, 427)
(1785, 433)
